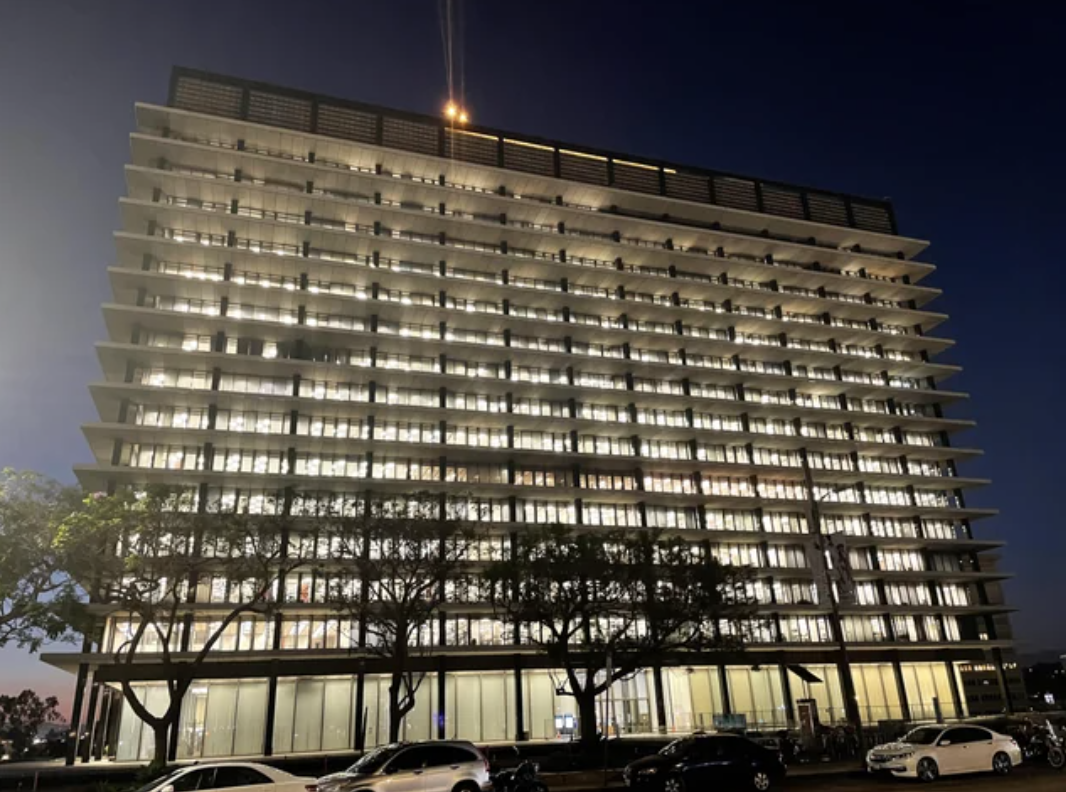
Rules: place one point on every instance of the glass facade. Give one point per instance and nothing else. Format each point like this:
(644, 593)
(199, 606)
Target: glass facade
(318, 714)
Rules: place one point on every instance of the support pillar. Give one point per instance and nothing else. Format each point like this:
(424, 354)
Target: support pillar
(75, 710)
(723, 682)
(442, 698)
(85, 748)
(360, 714)
(956, 696)
(271, 712)
(660, 698)
(521, 735)
(1001, 678)
(106, 716)
(904, 704)
(786, 689)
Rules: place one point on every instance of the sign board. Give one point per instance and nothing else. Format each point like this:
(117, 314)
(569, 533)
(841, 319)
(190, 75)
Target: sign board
(731, 723)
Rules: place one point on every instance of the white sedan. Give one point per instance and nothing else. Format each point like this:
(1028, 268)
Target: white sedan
(929, 752)
(246, 776)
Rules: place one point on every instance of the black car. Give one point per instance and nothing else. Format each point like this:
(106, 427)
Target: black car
(724, 762)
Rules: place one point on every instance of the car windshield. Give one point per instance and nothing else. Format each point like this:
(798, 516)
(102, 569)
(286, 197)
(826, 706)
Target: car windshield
(924, 736)
(159, 782)
(372, 762)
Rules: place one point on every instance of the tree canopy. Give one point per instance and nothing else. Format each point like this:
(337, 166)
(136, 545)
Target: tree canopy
(39, 601)
(23, 715)
(602, 605)
(142, 557)
(398, 555)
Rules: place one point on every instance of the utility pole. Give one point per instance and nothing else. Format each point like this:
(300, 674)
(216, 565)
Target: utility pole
(814, 520)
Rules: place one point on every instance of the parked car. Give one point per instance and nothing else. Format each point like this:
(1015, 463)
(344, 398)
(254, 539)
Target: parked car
(726, 762)
(436, 766)
(928, 752)
(220, 776)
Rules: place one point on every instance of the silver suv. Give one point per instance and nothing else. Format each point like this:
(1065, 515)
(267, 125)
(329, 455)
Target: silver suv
(436, 766)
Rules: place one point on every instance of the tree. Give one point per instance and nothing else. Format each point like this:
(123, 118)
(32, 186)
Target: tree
(141, 557)
(603, 605)
(38, 601)
(23, 715)
(399, 554)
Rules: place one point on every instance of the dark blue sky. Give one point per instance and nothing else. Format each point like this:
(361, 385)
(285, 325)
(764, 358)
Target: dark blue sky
(954, 110)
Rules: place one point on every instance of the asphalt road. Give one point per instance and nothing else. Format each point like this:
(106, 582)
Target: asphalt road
(1022, 779)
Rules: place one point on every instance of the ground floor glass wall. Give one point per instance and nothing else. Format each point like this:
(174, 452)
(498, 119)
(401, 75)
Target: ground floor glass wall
(218, 718)
(319, 714)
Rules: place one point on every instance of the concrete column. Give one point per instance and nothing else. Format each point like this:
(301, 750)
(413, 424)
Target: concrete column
(956, 696)
(85, 749)
(76, 707)
(786, 689)
(723, 682)
(660, 697)
(904, 704)
(271, 713)
(520, 705)
(442, 699)
(360, 705)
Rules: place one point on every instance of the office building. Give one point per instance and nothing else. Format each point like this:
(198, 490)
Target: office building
(313, 295)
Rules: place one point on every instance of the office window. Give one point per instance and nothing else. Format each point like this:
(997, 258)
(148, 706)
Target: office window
(787, 556)
(784, 522)
(719, 423)
(731, 520)
(850, 524)
(173, 417)
(602, 412)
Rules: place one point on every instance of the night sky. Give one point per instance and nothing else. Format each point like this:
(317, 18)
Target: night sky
(954, 110)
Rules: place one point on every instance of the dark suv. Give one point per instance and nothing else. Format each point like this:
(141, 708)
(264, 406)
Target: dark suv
(723, 761)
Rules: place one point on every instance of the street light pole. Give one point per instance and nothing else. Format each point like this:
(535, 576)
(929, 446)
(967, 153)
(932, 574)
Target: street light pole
(814, 517)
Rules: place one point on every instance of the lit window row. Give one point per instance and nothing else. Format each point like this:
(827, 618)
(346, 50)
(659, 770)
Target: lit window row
(543, 200)
(215, 308)
(337, 391)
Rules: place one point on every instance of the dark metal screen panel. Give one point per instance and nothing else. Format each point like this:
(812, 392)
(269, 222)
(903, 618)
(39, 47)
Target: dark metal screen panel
(582, 169)
(688, 187)
(779, 201)
(411, 136)
(345, 123)
(737, 193)
(871, 218)
(829, 209)
(529, 158)
(481, 149)
(282, 111)
(201, 96)
(277, 106)
(632, 177)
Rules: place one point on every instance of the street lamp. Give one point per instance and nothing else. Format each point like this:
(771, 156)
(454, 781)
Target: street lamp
(814, 518)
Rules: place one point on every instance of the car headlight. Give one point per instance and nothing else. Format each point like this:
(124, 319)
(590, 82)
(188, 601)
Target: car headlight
(648, 771)
(907, 755)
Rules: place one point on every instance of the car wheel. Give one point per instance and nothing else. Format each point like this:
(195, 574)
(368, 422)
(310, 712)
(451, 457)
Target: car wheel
(1001, 763)
(674, 783)
(1056, 757)
(760, 782)
(465, 786)
(928, 770)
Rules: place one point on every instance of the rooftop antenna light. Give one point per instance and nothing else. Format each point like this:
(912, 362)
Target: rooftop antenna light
(451, 40)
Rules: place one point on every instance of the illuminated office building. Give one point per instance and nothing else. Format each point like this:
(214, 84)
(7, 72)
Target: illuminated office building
(316, 295)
